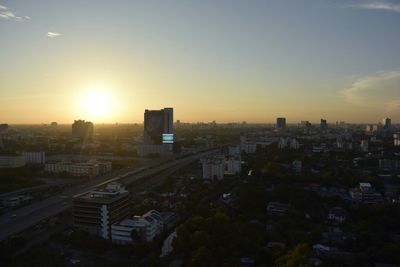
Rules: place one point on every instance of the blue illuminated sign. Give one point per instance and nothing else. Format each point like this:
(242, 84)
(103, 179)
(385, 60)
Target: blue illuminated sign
(168, 138)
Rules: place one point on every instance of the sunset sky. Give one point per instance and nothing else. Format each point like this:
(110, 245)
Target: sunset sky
(224, 60)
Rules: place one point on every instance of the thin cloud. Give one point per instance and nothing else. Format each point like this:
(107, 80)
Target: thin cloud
(6, 13)
(381, 89)
(53, 34)
(378, 5)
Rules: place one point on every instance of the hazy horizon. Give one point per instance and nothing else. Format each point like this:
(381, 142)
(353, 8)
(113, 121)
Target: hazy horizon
(229, 61)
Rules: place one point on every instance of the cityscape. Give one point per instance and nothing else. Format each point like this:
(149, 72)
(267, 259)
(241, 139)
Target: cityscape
(200, 133)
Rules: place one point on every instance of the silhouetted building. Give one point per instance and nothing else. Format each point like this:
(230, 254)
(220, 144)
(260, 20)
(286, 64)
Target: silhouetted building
(387, 123)
(97, 210)
(281, 123)
(82, 129)
(159, 127)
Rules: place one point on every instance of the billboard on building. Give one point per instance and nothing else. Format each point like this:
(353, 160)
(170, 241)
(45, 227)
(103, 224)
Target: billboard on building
(168, 138)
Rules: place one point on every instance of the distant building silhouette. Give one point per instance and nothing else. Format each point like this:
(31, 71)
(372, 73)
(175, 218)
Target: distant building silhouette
(281, 123)
(387, 123)
(82, 129)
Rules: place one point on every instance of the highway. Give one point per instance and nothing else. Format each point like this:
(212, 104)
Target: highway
(28, 216)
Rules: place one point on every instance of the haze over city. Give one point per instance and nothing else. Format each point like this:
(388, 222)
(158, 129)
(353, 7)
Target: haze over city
(107, 61)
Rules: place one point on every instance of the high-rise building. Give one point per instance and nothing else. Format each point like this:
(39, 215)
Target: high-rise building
(97, 210)
(387, 123)
(159, 127)
(281, 123)
(82, 129)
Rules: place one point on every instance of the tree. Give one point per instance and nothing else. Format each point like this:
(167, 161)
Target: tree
(298, 257)
(201, 257)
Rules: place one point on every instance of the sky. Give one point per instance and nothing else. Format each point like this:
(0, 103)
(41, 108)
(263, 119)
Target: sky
(225, 60)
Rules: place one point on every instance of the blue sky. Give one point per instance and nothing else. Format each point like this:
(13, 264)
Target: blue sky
(243, 60)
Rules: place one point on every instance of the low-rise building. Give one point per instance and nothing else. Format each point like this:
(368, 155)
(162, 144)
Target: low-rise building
(337, 215)
(277, 208)
(90, 168)
(147, 227)
(97, 210)
(34, 157)
(12, 161)
(213, 168)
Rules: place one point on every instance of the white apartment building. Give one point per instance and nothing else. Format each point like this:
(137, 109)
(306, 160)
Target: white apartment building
(213, 168)
(147, 226)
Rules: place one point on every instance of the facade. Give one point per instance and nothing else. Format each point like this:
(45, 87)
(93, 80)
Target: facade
(11, 161)
(337, 215)
(281, 123)
(147, 227)
(297, 165)
(234, 150)
(249, 148)
(159, 128)
(364, 145)
(97, 210)
(292, 143)
(213, 168)
(79, 169)
(233, 165)
(277, 208)
(34, 157)
(396, 139)
(82, 129)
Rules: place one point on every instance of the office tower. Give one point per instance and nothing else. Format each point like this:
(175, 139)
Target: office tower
(159, 127)
(387, 123)
(281, 123)
(82, 129)
(97, 210)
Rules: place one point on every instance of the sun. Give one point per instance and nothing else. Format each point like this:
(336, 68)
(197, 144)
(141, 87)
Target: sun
(97, 103)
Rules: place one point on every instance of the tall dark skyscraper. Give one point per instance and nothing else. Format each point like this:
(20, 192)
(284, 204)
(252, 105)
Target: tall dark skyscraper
(159, 127)
(82, 129)
(387, 123)
(281, 123)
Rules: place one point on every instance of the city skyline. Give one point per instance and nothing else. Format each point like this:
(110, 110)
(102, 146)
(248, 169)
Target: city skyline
(225, 61)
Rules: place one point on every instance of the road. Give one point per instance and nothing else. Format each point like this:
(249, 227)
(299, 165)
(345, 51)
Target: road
(28, 216)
